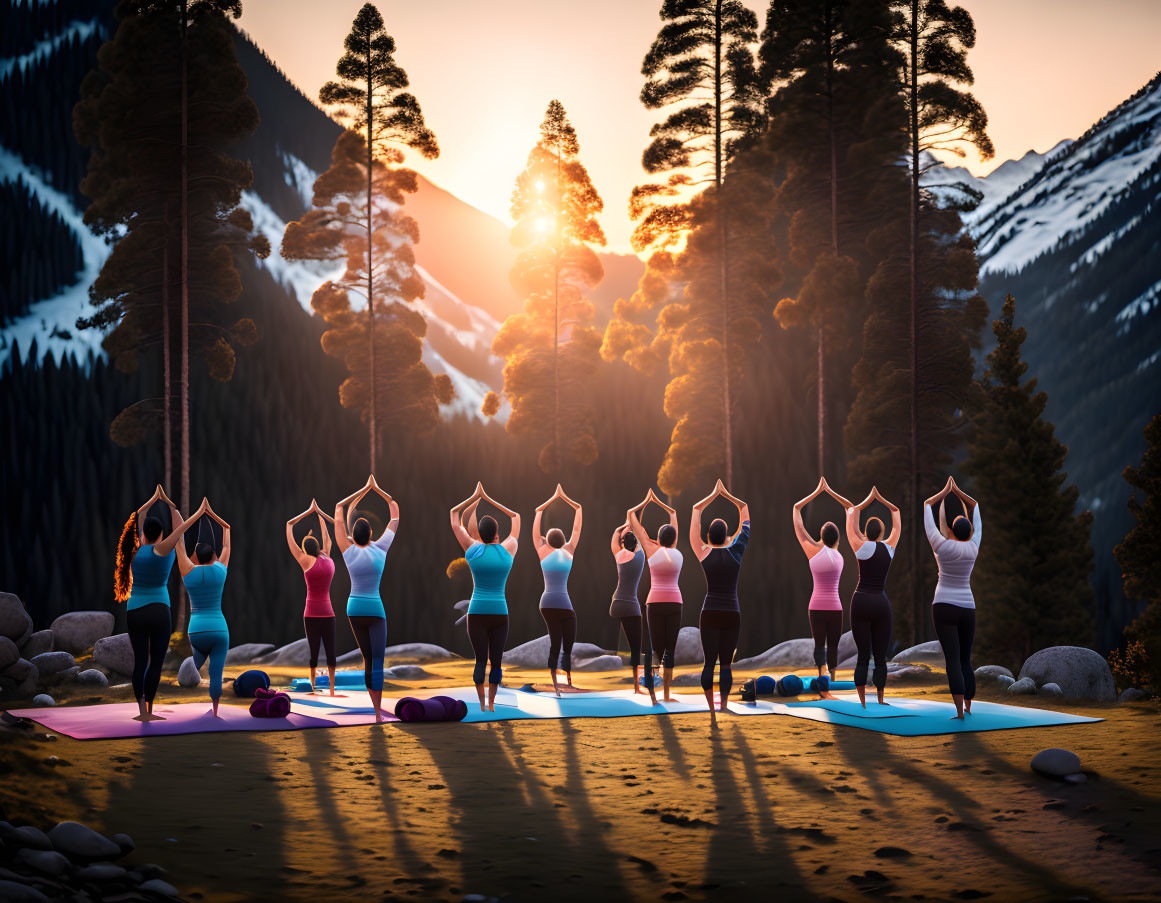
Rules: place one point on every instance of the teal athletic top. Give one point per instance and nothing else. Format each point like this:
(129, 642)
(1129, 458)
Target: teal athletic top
(490, 563)
(556, 566)
(205, 583)
(150, 577)
(365, 565)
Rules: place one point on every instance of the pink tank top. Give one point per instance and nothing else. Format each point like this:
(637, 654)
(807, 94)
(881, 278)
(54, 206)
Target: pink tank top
(318, 588)
(827, 567)
(664, 569)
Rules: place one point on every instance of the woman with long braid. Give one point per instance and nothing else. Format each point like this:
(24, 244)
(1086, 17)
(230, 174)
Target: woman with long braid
(365, 561)
(490, 562)
(626, 607)
(663, 604)
(141, 580)
(721, 614)
(318, 570)
(556, 554)
(209, 635)
(871, 616)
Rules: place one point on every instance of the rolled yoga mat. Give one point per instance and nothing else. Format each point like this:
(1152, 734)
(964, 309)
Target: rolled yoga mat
(435, 708)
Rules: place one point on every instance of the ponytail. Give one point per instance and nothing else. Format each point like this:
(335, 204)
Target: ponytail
(123, 569)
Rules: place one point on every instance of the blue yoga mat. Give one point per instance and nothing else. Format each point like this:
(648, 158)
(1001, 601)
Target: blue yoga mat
(349, 680)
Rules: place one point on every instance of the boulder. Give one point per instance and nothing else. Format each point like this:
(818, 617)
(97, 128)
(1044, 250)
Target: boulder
(1056, 763)
(247, 652)
(787, 656)
(687, 680)
(68, 673)
(36, 643)
(77, 631)
(534, 653)
(1080, 673)
(598, 663)
(900, 673)
(1132, 694)
(988, 673)
(926, 653)
(1025, 686)
(53, 662)
(47, 862)
(354, 657)
(28, 836)
(115, 654)
(92, 678)
(420, 652)
(24, 674)
(1004, 682)
(187, 674)
(292, 655)
(12, 892)
(157, 886)
(847, 649)
(688, 650)
(43, 700)
(125, 842)
(101, 871)
(406, 672)
(1050, 690)
(9, 653)
(79, 841)
(14, 620)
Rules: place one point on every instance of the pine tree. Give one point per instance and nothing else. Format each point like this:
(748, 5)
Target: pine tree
(335, 229)
(701, 68)
(1139, 555)
(1034, 586)
(548, 369)
(371, 95)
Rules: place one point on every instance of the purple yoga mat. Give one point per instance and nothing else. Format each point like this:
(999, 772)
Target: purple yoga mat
(434, 708)
(115, 720)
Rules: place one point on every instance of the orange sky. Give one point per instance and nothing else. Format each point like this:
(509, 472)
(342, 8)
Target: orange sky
(484, 72)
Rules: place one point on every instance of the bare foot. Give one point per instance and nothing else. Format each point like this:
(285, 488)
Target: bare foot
(378, 717)
(956, 718)
(332, 693)
(492, 708)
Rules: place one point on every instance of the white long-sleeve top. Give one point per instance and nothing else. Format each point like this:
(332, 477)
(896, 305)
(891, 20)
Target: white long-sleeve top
(955, 558)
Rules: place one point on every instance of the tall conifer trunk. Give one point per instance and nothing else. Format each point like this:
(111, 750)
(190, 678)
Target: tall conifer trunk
(556, 327)
(834, 241)
(166, 354)
(184, 384)
(723, 289)
(370, 274)
(913, 493)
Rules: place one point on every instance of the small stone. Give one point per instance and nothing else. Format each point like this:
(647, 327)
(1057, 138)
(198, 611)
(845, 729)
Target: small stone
(101, 871)
(82, 842)
(12, 892)
(991, 672)
(125, 842)
(1056, 763)
(187, 674)
(53, 662)
(36, 643)
(1079, 778)
(9, 653)
(406, 672)
(1050, 690)
(28, 836)
(1025, 686)
(1132, 694)
(892, 853)
(68, 673)
(157, 886)
(92, 678)
(49, 862)
(1004, 682)
(43, 700)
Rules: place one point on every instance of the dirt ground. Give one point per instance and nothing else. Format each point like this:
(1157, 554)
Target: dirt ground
(646, 808)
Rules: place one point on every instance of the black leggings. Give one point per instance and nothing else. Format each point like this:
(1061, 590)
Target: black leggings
(664, 625)
(561, 624)
(488, 635)
(719, 640)
(826, 626)
(149, 630)
(632, 628)
(320, 629)
(371, 635)
(955, 626)
(871, 623)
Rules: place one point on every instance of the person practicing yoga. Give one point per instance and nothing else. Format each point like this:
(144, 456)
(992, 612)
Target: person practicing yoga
(490, 562)
(365, 560)
(871, 617)
(826, 566)
(721, 614)
(625, 607)
(663, 604)
(953, 610)
(555, 606)
(141, 581)
(209, 635)
(318, 569)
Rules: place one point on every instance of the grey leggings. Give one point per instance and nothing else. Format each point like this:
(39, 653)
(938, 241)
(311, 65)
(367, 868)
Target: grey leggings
(561, 623)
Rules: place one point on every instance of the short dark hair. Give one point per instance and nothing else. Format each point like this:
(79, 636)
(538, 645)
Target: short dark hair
(310, 545)
(152, 529)
(204, 552)
(667, 535)
(830, 534)
(961, 528)
(874, 529)
(555, 538)
(629, 541)
(488, 528)
(361, 532)
(718, 531)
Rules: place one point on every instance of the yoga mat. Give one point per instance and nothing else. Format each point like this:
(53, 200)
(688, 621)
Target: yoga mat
(344, 680)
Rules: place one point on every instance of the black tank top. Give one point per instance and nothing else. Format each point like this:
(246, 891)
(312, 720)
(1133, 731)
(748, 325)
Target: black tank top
(722, 566)
(873, 570)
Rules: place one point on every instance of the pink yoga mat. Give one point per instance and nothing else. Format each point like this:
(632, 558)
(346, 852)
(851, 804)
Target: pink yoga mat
(115, 720)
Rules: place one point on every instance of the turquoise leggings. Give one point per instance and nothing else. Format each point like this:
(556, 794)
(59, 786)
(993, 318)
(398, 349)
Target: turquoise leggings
(211, 644)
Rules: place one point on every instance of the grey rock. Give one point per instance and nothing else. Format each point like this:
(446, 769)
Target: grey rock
(43, 700)
(1132, 694)
(1056, 763)
(36, 643)
(1004, 682)
(125, 842)
(986, 673)
(28, 836)
(419, 652)
(1050, 690)
(534, 653)
(786, 656)
(48, 862)
(598, 663)
(187, 674)
(77, 631)
(13, 892)
(688, 650)
(926, 653)
(354, 657)
(686, 680)
(68, 673)
(846, 648)
(82, 842)
(406, 672)
(14, 620)
(114, 653)
(172, 661)
(847, 664)
(25, 674)
(292, 655)
(48, 663)
(1079, 778)
(916, 673)
(101, 871)
(92, 678)
(1080, 673)
(247, 652)
(9, 653)
(157, 886)
(1025, 686)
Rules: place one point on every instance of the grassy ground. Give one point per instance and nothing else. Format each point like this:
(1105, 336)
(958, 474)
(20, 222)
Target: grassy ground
(613, 809)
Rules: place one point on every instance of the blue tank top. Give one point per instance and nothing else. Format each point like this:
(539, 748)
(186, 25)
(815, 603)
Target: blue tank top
(556, 567)
(365, 565)
(490, 564)
(150, 577)
(205, 583)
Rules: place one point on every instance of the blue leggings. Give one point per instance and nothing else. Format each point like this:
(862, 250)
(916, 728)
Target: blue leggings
(211, 644)
(371, 635)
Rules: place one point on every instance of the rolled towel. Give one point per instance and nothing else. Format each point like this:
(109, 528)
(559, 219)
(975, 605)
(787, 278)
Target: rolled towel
(270, 704)
(790, 685)
(765, 685)
(248, 682)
